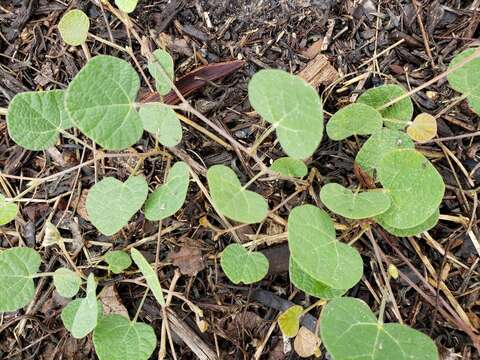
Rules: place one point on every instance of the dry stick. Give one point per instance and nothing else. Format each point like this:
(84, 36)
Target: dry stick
(424, 33)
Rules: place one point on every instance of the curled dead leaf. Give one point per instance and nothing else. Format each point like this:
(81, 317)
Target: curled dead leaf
(306, 343)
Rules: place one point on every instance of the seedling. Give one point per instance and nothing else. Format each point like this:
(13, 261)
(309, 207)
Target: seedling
(289, 167)
(354, 119)
(126, 6)
(8, 210)
(150, 275)
(67, 282)
(162, 122)
(73, 27)
(118, 261)
(162, 70)
(240, 265)
(423, 128)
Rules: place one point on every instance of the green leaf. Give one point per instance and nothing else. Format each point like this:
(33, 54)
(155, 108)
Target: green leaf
(414, 185)
(117, 338)
(349, 330)
(35, 119)
(354, 119)
(379, 144)
(8, 211)
(118, 261)
(162, 60)
(305, 282)
(111, 204)
(354, 205)
(292, 106)
(74, 26)
(150, 275)
(287, 166)
(289, 320)
(466, 79)
(231, 199)
(126, 5)
(169, 197)
(67, 282)
(101, 102)
(396, 116)
(17, 268)
(428, 224)
(161, 121)
(314, 248)
(241, 265)
(69, 312)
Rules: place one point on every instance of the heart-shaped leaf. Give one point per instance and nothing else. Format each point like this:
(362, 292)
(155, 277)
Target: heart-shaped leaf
(414, 185)
(161, 121)
(35, 119)
(241, 265)
(126, 5)
(67, 282)
(349, 330)
(118, 261)
(396, 116)
(150, 275)
(354, 119)
(162, 60)
(70, 311)
(117, 338)
(100, 100)
(428, 224)
(379, 144)
(8, 211)
(289, 320)
(231, 199)
(314, 248)
(466, 79)
(292, 106)
(354, 205)
(169, 197)
(111, 204)
(423, 128)
(291, 167)
(17, 268)
(74, 26)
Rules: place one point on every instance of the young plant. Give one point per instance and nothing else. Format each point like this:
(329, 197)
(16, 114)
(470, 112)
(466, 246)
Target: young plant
(241, 265)
(8, 210)
(118, 261)
(289, 167)
(354, 119)
(73, 27)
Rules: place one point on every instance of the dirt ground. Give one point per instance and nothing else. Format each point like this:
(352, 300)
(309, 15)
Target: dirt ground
(359, 44)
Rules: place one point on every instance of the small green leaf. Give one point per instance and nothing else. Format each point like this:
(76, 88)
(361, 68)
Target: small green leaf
(118, 261)
(241, 265)
(69, 312)
(162, 60)
(425, 226)
(67, 282)
(17, 268)
(396, 116)
(306, 283)
(466, 79)
(354, 119)
(354, 205)
(292, 106)
(289, 320)
(231, 199)
(414, 185)
(35, 119)
(126, 5)
(349, 330)
(314, 248)
(161, 121)
(169, 197)
(100, 100)
(150, 275)
(379, 144)
(291, 167)
(8, 211)
(117, 338)
(74, 26)
(111, 204)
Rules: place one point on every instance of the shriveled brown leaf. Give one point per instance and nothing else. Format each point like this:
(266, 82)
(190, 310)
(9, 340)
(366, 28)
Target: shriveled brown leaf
(188, 259)
(306, 343)
(81, 207)
(111, 302)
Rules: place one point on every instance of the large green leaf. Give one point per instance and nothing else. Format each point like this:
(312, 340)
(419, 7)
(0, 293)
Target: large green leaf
(101, 102)
(379, 144)
(241, 265)
(466, 79)
(292, 106)
(67, 282)
(35, 118)
(354, 119)
(314, 248)
(161, 121)
(425, 226)
(414, 185)
(287, 166)
(8, 211)
(162, 60)
(396, 116)
(74, 26)
(118, 261)
(169, 197)
(116, 338)
(349, 331)
(150, 275)
(111, 204)
(354, 205)
(17, 268)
